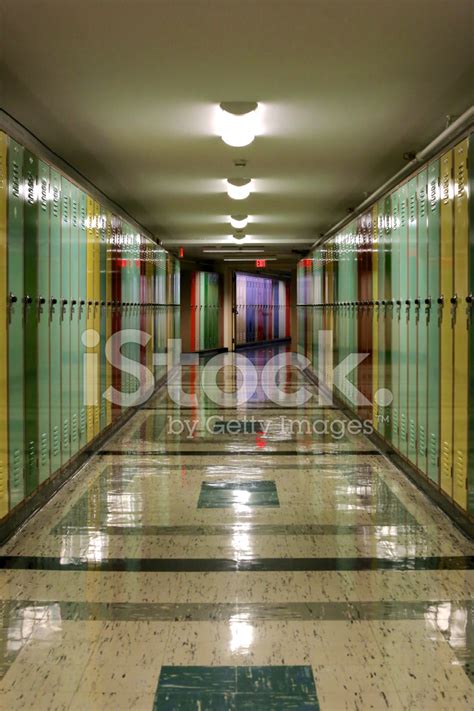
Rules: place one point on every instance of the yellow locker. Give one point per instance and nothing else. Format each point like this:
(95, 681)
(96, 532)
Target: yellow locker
(446, 334)
(461, 324)
(3, 329)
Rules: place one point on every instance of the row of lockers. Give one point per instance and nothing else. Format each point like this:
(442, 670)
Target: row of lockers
(206, 311)
(397, 284)
(72, 276)
(262, 308)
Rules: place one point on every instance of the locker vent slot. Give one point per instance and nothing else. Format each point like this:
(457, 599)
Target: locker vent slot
(461, 180)
(44, 448)
(433, 450)
(412, 209)
(74, 428)
(74, 213)
(15, 179)
(422, 441)
(66, 214)
(17, 474)
(31, 453)
(446, 458)
(422, 202)
(56, 197)
(44, 194)
(31, 189)
(56, 442)
(2, 177)
(433, 194)
(403, 213)
(66, 434)
(83, 420)
(460, 468)
(403, 426)
(445, 189)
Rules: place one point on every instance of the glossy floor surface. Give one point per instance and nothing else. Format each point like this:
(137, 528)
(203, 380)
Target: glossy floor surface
(237, 558)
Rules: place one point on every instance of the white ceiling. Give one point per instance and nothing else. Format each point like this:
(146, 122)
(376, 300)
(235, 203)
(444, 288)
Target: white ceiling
(126, 90)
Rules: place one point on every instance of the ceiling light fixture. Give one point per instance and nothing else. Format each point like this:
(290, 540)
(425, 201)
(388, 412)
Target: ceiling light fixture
(238, 122)
(239, 222)
(239, 188)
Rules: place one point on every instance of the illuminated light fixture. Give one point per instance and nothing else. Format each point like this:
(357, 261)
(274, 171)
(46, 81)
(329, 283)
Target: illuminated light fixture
(239, 188)
(239, 222)
(238, 122)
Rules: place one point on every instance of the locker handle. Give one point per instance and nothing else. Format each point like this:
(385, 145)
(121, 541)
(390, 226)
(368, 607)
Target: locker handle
(64, 302)
(96, 303)
(417, 302)
(89, 303)
(41, 300)
(53, 301)
(399, 303)
(454, 299)
(73, 302)
(469, 299)
(13, 298)
(102, 303)
(28, 300)
(407, 302)
(81, 302)
(383, 302)
(441, 300)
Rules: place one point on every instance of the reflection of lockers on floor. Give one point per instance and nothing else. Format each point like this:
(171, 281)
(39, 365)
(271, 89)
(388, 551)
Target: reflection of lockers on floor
(413, 312)
(72, 274)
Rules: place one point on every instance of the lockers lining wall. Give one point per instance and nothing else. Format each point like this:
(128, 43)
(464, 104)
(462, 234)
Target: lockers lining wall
(72, 274)
(397, 284)
(262, 309)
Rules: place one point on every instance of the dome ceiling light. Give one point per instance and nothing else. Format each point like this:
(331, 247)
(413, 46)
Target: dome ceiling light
(238, 122)
(238, 188)
(239, 222)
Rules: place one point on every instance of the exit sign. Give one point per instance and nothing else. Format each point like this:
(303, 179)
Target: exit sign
(261, 263)
(307, 262)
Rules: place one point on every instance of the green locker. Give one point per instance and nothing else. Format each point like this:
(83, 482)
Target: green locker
(16, 423)
(82, 312)
(64, 308)
(42, 305)
(422, 313)
(55, 320)
(73, 312)
(471, 327)
(380, 312)
(4, 494)
(433, 318)
(395, 313)
(412, 317)
(404, 315)
(30, 333)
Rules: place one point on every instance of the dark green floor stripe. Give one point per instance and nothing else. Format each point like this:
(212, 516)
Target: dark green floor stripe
(215, 565)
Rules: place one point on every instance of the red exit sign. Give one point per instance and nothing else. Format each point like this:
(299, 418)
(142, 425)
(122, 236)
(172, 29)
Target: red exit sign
(261, 263)
(307, 262)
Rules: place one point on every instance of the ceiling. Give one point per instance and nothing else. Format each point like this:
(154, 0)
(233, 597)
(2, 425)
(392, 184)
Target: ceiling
(126, 91)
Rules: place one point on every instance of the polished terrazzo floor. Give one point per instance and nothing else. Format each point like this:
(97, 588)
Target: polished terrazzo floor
(237, 564)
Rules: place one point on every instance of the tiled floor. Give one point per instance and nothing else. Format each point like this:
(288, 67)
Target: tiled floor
(237, 558)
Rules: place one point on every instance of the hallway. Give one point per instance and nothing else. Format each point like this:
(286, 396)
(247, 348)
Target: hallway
(260, 556)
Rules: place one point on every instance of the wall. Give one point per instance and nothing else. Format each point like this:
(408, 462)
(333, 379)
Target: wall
(397, 284)
(262, 309)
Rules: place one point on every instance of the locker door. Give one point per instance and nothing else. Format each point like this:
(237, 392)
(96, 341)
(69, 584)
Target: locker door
(30, 171)
(90, 373)
(403, 358)
(4, 497)
(388, 314)
(381, 311)
(446, 330)
(471, 327)
(55, 320)
(103, 312)
(395, 320)
(421, 312)
(375, 317)
(65, 320)
(433, 310)
(108, 294)
(16, 289)
(412, 325)
(461, 325)
(97, 317)
(74, 315)
(43, 302)
(82, 311)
